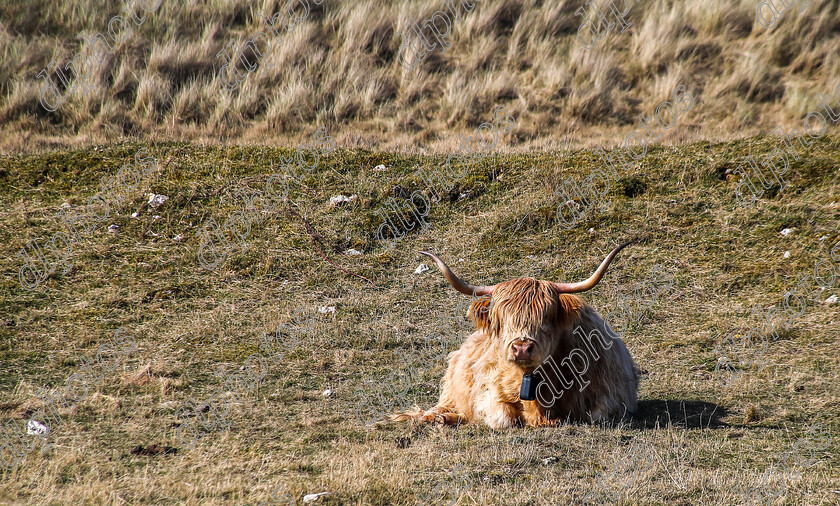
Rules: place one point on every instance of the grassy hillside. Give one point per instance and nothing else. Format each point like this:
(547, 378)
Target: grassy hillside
(339, 66)
(694, 440)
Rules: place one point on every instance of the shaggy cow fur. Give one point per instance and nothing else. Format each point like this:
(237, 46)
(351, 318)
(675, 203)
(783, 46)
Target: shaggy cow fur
(587, 374)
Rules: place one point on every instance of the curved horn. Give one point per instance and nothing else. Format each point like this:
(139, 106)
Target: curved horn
(455, 281)
(582, 286)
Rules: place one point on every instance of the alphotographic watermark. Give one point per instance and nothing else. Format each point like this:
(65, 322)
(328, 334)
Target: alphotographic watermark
(593, 199)
(447, 492)
(216, 241)
(377, 397)
(280, 495)
(516, 450)
(288, 337)
(46, 420)
(777, 161)
(36, 266)
(736, 353)
(440, 25)
(769, 12)
(773, 321)
(50, 95)
(400, 216)
(774, 481)
(278, 25)
(636, 464)
(600, 20)
(578, 361)
(627, 470)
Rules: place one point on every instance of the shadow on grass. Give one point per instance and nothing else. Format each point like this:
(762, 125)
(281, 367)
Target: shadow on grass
(654, 413)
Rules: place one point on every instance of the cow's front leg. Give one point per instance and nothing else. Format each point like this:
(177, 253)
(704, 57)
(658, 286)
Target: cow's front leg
(533, 416)
(434, 416)
(497, 413)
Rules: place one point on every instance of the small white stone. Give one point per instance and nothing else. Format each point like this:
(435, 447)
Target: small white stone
(157, 216)
(113, 229)
(787, 254)
(314, 497)
(326, 309)
(327, 393)
(421, 269)
(135, 215)
(786, 232)
(341, 199)
(353, 252)
(591, 231)
(36, 428)
(460, 259)
(156, 200)
(831, 300)
(379, 168)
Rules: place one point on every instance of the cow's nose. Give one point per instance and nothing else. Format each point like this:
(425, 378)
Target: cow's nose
(522, 351)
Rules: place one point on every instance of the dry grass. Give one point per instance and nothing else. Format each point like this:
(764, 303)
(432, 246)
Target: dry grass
(706, 439)
(339, 68)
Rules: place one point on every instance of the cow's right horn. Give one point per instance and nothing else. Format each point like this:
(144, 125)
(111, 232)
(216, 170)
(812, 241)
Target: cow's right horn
(456, 282)
(582, 286)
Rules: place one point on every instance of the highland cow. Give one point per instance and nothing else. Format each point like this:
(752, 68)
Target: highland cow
(529, 326)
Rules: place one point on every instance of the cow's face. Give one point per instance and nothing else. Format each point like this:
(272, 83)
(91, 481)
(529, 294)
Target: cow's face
(524, 317)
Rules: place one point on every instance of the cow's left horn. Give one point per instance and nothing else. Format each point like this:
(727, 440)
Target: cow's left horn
(455, 281)
(593, 280)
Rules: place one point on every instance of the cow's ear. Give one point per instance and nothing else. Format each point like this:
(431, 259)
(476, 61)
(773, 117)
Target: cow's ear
(479, 313)
(569, 309)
